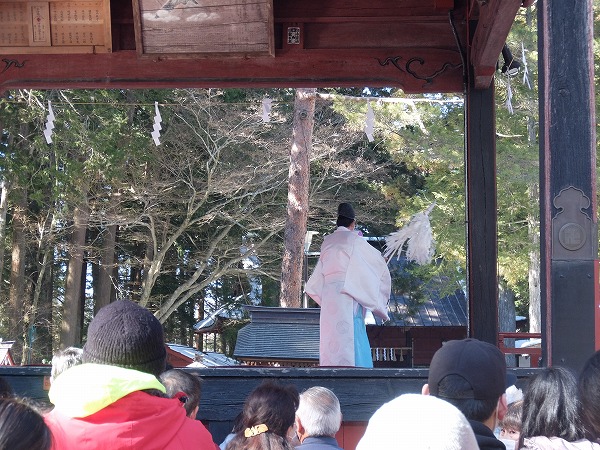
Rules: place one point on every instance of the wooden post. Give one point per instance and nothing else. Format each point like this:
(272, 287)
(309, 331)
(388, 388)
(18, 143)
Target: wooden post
(482, 248)
(568, 223)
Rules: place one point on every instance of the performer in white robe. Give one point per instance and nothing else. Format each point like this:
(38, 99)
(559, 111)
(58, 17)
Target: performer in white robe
(351, 277)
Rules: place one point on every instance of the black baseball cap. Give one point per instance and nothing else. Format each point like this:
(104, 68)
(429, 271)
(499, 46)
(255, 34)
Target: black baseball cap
(481, 364)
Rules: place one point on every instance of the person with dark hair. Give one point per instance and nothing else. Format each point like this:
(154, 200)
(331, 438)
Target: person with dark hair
(267, 420)
(318, 419)
(551, 412)
(113, 400)
(471, 374)
(63, 360)
(510, 426)
(22, 427)
(350, 278)
(589, 395)
(178, 382)
(6, 390)
(237, 426)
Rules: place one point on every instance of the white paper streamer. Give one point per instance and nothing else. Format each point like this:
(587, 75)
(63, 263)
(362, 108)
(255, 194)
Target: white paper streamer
(525, 69)
(509, 96)
(49, 124)
(266, 109)
(157, 127)
(370, 123)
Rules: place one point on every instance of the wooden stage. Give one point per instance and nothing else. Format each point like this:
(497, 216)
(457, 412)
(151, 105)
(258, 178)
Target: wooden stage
(360, 391)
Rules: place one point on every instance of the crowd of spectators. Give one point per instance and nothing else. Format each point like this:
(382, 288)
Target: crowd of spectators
(115, 393)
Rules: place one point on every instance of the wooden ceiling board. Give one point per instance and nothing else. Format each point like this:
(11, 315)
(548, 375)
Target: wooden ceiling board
(318, 9)
(387, 35)
(58, 26)
(187, 28)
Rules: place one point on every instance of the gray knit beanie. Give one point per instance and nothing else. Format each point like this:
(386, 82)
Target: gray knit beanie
(126, 335)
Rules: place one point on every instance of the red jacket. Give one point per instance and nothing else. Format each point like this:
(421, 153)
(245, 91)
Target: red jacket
(137, 421)
(94, 410)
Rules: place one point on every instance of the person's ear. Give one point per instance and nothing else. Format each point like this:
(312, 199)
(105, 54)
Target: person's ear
(299, 428)
(502, 407)
(425, 389)
(194, 413)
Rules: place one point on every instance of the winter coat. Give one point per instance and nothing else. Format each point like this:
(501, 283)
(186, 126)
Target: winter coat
(319, 443)
(350, 272)
(555, 443)
(104, 407)
(485, 437)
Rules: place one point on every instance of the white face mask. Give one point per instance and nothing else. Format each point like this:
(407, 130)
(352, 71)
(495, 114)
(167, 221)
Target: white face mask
(509, 444)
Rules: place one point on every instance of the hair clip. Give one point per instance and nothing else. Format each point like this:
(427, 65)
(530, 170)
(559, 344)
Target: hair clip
(255, 430)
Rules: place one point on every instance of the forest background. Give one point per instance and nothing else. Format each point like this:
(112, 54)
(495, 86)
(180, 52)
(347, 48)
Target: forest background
(196, 225)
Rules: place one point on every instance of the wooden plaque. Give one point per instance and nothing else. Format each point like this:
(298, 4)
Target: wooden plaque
(55, 26)
(193, 28)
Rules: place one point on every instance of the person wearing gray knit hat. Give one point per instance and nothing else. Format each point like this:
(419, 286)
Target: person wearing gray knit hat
(126, 335)
(114, 398)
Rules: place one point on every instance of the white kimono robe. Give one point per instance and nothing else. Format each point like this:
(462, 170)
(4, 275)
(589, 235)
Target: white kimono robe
(349, 271)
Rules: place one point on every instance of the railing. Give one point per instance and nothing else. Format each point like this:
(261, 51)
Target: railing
(535, 353)
(390, 353)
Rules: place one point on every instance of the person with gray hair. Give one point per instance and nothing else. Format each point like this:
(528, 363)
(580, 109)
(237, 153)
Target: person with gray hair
(177, 382)
(63, 360)
(318, 419)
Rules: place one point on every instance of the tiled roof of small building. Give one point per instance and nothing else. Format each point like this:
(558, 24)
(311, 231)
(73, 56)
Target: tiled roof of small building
(448, 311)
(279, 333)
(203, 359)
(276, 334)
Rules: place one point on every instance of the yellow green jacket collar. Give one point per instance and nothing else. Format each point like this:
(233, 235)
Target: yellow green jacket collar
(87, 388)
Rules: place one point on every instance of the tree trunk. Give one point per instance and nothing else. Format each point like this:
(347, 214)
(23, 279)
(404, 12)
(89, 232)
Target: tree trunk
(535, 319)
(104, 285)
(145, 284)
(43, 344)
(199, 316)
(17, 294)
(297, 206)
(41, 272)
(4, 188)
(70, 333)
(507, 317)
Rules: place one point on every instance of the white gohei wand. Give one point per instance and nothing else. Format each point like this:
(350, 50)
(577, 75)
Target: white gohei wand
(420, 246)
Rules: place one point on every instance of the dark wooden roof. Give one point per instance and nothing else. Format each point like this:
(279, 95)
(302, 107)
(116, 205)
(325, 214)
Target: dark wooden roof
(417, 45)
